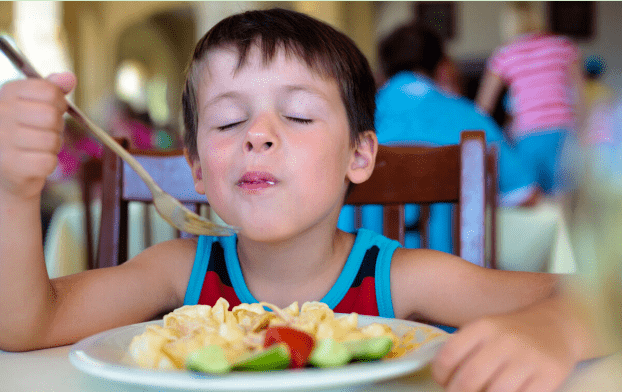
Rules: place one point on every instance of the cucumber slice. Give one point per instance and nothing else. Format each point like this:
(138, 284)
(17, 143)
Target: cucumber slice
(276, 357)
(329, 353)
(369, 349)
(209, 359)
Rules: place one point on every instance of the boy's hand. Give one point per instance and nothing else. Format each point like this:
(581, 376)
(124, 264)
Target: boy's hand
(31, 128)
(527, 352)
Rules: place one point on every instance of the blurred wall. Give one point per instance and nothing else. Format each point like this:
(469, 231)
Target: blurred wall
(101, 33)
(479, 29)
(6, 15)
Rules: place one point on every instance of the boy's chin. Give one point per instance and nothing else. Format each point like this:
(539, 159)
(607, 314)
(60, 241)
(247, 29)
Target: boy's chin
(265, 233)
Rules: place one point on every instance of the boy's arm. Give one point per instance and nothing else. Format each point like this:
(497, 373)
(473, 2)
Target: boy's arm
(518, 330)
(35, 311)
(30, 137)
(532, 349)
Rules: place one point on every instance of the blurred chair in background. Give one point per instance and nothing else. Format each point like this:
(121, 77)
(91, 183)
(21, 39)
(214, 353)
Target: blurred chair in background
(424, 175)
(90, 177)
(63, 186)
(412, 109)
(122, 186)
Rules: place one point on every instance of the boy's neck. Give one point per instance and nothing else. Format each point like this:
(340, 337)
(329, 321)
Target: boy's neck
(301, 269)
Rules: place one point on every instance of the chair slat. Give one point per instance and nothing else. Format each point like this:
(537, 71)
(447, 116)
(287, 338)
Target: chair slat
(456, 174)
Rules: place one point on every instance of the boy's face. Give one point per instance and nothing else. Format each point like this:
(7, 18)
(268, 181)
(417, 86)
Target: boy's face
(273, 143)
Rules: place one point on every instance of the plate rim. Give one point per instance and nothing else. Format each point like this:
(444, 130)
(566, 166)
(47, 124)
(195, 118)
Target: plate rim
(350, 375)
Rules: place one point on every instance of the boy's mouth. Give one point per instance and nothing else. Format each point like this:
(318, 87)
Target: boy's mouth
(256, 181)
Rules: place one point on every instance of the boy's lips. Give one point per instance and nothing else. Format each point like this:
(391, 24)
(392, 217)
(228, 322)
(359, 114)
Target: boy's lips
(256, 180)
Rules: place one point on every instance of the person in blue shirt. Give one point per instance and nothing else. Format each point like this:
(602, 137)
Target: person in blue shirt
(412, 108)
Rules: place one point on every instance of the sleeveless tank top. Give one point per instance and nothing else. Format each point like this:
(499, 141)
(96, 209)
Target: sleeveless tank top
(363, 287)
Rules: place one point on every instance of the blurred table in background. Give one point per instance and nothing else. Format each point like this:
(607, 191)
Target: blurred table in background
(65, 244)
(534, 239)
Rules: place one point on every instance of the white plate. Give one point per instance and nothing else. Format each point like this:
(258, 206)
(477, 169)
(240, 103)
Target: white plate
(102, 355)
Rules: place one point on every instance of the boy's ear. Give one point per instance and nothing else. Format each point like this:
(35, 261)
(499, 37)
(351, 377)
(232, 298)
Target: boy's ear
(197, 172)
(363, 159)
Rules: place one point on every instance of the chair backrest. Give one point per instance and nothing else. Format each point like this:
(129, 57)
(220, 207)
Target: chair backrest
(455, 174)
(121, 185)
(463, 174)
(89, 177)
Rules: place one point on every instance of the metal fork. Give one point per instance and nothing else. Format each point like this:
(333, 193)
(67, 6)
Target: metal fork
(169, 208)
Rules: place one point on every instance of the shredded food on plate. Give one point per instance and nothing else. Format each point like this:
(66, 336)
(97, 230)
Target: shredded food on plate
(242, 330)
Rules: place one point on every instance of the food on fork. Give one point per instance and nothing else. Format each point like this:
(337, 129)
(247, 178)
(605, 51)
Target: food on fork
(249, 337)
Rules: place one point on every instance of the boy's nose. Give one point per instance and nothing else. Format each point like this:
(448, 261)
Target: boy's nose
(261, 136)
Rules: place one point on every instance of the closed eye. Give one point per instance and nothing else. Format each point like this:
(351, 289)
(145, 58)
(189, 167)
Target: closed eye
(300, 120)
(227, 126)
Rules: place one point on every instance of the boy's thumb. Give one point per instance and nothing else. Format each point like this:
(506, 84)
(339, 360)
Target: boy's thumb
(65, 80)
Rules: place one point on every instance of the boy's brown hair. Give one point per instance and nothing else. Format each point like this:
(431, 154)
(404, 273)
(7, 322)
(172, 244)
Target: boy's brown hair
(325, 50)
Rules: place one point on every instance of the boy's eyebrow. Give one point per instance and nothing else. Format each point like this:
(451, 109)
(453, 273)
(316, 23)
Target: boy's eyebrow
(287, 88)
(221, 96)
(306, 88)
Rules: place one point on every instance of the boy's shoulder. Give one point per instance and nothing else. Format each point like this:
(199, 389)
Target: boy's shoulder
(171, 260)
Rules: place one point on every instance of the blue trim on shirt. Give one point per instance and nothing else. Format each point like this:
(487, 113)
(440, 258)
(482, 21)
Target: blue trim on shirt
(235, 271)
(364, 240)
(383, 275)
(199, 269)
(350, 269)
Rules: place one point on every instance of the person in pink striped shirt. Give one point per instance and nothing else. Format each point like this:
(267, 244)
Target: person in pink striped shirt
(543, 74)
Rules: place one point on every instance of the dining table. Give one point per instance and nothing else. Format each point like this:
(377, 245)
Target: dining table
(51, 370)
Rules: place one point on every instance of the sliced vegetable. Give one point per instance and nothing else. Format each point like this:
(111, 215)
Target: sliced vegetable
(276, 357)
(369, 349)
(299, 343)
(209, 359)
(330, 353)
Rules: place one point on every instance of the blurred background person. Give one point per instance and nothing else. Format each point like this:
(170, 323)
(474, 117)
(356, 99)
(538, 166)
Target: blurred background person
(595, 90)
(448, 77)
(412, 108)
(544, 76)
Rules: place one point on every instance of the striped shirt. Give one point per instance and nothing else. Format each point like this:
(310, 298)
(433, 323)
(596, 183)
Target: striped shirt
(536, 67)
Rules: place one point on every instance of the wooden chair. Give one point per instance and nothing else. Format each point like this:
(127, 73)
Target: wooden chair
(418, 175)
(121, 185)
(425, 175)
(89, 177)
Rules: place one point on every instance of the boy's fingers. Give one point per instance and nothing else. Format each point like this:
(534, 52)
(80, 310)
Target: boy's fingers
(41, 115)
(65, 80)
(515, 378)
(544, 383)
(38, 140)
(457, 348)
(483, 366)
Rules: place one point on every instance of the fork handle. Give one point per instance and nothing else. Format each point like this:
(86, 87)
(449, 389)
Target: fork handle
(105, 138)
(22, 63)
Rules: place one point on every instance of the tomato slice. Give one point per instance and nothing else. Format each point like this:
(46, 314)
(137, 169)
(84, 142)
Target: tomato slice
(299, 343)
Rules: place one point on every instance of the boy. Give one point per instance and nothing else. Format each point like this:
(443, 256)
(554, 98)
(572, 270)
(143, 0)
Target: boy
(279, 118)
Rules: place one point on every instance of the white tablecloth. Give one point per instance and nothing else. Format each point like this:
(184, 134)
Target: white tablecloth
(65, 245)
(50, 371)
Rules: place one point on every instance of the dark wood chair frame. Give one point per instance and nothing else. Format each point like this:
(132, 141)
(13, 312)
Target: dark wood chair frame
(463, 174)
(121, 185)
